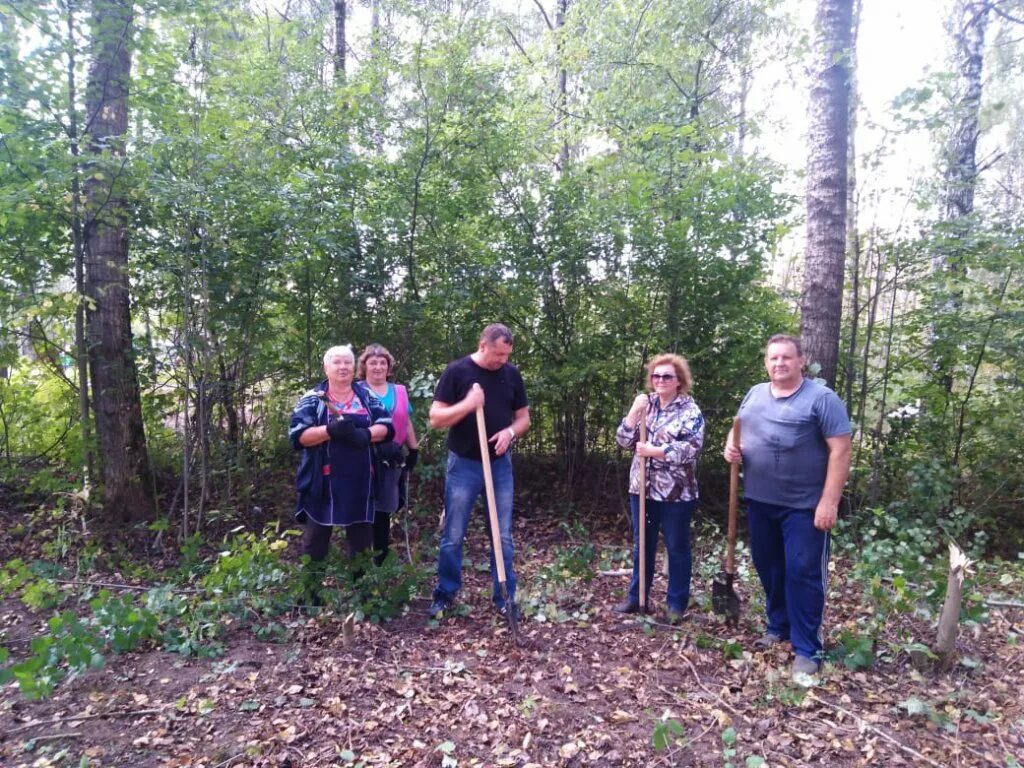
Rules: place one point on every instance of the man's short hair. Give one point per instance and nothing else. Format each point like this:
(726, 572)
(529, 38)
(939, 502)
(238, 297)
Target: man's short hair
(785, 338)
(496, 332)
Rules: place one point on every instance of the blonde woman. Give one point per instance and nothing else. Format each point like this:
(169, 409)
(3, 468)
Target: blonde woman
(675, 436)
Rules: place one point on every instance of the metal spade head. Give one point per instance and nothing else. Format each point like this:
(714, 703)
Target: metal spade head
(724, 599)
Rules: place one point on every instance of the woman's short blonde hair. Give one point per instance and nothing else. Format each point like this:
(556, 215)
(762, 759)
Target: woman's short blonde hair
(374, 350)
(682, 369)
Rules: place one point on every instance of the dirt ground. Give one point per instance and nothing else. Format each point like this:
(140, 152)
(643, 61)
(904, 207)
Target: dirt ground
(589, 687)
(574, 693)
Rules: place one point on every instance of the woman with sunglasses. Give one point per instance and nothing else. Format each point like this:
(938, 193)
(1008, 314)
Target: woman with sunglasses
(675, 436)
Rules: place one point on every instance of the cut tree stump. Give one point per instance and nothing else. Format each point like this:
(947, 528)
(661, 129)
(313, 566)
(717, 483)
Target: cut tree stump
(949, 621)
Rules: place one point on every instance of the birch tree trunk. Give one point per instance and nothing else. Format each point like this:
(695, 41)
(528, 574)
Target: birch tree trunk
(339, 39)
(969, 22)
(562, 95)
(116, 400)
(821, 298)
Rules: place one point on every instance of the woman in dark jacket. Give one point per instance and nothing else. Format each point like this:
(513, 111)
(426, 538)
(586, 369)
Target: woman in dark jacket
(333, 425)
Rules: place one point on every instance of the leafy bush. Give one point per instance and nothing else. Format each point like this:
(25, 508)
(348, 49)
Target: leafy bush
(854, 650)
(380, 592)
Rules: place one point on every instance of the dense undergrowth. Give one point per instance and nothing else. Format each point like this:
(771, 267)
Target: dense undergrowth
(92, 592)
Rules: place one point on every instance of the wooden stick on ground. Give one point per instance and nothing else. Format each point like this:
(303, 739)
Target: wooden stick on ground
(877, 731)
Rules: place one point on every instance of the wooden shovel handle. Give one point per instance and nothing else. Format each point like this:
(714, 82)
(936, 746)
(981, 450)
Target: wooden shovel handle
(492, 507)
(734, 503)
(643, 516)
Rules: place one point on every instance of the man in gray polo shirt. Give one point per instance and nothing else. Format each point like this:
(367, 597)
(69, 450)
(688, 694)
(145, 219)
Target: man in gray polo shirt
(795, 450)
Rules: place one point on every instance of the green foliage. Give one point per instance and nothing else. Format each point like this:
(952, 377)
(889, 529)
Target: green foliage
(249, 575)
(70, 648)
(381, 592)
(32, 584)
(191, 563)
(426, 172)
(37, 423)
(554, 595)
(248, 581)
(855, 651)
(947, 459)
(728, 745)
(668, 731)
(122, 621)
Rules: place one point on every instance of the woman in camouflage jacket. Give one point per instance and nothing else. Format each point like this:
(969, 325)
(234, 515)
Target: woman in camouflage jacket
(675, 436)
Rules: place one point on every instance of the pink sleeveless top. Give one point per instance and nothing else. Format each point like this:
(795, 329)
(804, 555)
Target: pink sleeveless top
(400, 416)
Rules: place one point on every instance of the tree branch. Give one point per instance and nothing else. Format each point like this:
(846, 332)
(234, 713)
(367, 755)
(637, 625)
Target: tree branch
(517, 44)
(544, 14)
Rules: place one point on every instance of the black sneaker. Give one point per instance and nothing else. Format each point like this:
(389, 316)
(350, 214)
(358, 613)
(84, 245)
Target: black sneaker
(438, 609)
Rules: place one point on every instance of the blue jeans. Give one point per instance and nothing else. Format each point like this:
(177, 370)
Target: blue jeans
(673, 519)
(791, 557)
(464, 484)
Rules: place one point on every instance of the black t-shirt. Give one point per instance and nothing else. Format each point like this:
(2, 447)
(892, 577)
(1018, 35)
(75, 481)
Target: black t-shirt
(504, 394)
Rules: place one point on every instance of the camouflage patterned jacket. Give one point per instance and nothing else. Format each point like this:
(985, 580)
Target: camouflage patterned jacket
(679, 429)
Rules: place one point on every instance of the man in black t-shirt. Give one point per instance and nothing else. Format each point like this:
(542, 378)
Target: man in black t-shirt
(482, 378)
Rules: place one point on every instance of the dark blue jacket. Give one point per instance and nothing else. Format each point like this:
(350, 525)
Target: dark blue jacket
(311, 411)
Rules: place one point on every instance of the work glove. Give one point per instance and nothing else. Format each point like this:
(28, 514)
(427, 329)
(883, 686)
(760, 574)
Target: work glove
(360, 437)
(340, 429)
(389, 452)
(412, 459)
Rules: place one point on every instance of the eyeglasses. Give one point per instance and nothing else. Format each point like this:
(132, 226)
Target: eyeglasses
(662, 376)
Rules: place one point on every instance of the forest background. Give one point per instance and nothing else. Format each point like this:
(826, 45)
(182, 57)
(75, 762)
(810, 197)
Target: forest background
(197, 197)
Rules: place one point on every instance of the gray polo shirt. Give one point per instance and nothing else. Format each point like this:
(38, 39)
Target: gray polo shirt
(785, 455)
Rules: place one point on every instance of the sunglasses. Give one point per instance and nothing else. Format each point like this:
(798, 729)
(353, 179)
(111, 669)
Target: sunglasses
(662, 376)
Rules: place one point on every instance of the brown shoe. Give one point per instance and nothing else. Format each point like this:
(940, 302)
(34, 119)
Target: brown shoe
(627, 606)
(672, 616)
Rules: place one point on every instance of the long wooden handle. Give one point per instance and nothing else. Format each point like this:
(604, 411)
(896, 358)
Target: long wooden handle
(643, 515)
(734, 503)
(492, 507)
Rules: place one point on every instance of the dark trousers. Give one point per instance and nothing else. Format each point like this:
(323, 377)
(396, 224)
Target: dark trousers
(316, 538)
(672, 519)
(381, 535)
(791, 557)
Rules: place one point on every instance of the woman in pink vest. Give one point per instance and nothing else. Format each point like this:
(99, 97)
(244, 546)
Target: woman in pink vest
(375, 366)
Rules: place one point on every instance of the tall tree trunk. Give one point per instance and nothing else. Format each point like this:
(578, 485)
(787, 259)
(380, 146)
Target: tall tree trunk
(78, 247)
(339, 39)
(969, 23)
(821, 299)
(970, 20)
(116, 399)
(562, 96)
(852, 232)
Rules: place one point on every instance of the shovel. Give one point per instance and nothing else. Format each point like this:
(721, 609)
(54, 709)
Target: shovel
(643, 518)
(492, 511)
(723, 594)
